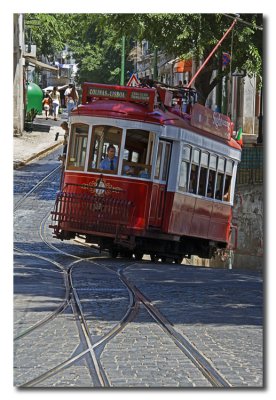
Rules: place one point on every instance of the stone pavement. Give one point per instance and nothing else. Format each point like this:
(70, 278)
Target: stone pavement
(31, 145)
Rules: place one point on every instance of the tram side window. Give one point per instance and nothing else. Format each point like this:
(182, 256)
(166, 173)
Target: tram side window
(228, 180)
(194, 171)
(220, 179)
(205, 174)
(105, 149)
(158, 162)
(184, 168)
(204, 159)
(166, 162)
(202, 181)
(137, 158)
(78, 146)
(193, 178)
(212, 176)
(211, 183)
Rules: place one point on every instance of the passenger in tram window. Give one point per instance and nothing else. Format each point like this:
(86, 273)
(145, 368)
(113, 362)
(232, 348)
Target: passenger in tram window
(226, 195)
(144, 174)
(111, 161)
(129, 171)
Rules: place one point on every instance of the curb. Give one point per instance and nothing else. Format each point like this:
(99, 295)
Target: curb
(18, 164)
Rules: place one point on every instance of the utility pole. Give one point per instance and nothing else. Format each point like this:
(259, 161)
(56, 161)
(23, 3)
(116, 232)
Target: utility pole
(155, 70)
(260, 117)
(219, 85)
(123, 61)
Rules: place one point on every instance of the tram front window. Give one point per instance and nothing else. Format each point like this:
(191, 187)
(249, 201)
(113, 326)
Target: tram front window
(137, 159)
(77, 147)
(105, 149)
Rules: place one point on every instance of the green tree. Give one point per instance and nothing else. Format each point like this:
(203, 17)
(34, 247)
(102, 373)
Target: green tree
(195, 35)
(94, 44)
(49, 32)
(99, 56)
(95, 40)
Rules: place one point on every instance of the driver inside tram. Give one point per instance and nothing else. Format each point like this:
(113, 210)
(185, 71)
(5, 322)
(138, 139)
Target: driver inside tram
(111, 161)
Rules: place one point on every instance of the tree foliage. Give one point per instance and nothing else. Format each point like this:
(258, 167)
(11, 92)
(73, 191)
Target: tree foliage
(195, 35)
(48, 32)
(95, 40)
(99, 56)
(93, 43)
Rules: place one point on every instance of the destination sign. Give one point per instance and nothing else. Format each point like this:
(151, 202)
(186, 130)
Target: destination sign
(93, 91)
(139, 96)
(211, 121)
(104, 92)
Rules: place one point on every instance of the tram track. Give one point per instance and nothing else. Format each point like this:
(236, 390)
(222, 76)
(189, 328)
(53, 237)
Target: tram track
(34, 188)
(197, 358)
(93, 351)
(71, 298)
(64, 304)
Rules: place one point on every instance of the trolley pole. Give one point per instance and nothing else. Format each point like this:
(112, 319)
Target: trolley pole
(123, 61)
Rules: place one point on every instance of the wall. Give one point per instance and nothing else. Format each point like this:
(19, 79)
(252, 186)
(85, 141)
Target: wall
(249, 96)
(18, 85)
(248, 214)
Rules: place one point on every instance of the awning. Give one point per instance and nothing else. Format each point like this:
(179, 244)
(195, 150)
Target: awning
(183, 66)
(33, 61)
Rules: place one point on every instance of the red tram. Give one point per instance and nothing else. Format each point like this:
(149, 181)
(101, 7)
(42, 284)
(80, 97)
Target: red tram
(168, 191)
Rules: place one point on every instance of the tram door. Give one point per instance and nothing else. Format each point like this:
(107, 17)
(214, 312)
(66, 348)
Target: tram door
(160, 184)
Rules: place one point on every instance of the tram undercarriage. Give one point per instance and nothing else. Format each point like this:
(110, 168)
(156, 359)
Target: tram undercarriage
(130, 246)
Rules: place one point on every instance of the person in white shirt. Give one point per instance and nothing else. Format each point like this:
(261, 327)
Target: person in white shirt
(55, 96)
(71, 98)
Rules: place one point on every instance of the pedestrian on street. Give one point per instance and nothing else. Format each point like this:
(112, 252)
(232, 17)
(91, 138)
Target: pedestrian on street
(71, 98)
(55, 96)
(64, 125)
(46, 105)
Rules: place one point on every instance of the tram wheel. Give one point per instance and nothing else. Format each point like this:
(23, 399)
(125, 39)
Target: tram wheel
(138, 256)
(154, 258)
(113, 253)
(163, 259)
(126, 254)
(178, 260)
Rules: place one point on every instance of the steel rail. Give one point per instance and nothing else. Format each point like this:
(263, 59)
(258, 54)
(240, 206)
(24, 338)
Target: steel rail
(55, 370)
(198, 359)
(60, 308)
(35, 187)
(97, 373)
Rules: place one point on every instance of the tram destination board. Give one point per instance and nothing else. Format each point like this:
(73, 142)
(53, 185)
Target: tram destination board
(212, 121)
(113, 92)
(110, 93)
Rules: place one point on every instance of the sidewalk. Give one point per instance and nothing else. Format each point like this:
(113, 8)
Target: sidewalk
(32, 145)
